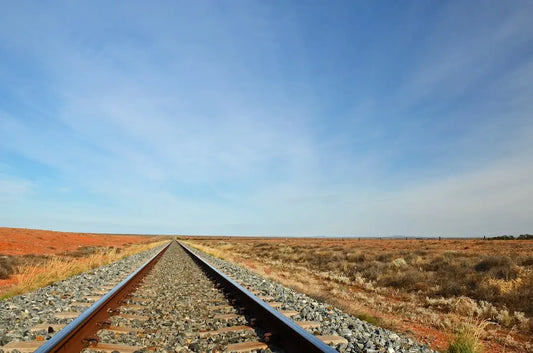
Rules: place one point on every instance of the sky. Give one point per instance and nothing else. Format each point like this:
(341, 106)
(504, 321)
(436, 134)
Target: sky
(278, 118)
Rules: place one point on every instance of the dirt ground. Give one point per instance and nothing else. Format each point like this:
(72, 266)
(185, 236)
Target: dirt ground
(21, 241)
(29, 249)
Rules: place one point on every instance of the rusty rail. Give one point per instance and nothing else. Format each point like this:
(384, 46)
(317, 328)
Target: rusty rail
(282, 331)
(81, 332)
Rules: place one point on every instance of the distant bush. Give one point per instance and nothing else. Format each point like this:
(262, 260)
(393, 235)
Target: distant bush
(387, 257)
(522, 298)
(357, 257)
(408, 280)
(502, 237)
(525, 260)
(498, 266)
(7, 266)
(511, 237)
(84, 251)
(373, 270)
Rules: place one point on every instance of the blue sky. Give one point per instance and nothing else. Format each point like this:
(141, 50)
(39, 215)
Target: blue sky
(267, 117)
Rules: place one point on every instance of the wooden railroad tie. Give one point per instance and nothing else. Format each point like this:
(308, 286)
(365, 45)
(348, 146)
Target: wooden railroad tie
(67, 315)
(51, 328)
(110, 348)
(225, 317)
(222, 308)
(133, 317)
(289, 313)
(308, 324)
(100, 292)
(246, 347)
(330, 339)
(92, 298)
(266, 298)
(225, 330)
(122, 330)
(22, 347)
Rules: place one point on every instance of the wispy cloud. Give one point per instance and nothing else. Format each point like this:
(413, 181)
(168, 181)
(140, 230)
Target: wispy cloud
(235, 119)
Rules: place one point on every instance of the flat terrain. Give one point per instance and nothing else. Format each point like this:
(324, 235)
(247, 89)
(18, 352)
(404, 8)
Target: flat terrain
(20, 241)
(429, 288)
(31, 258)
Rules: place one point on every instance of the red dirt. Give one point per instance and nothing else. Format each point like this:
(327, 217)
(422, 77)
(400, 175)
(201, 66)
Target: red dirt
(21, 241)
(5, 283)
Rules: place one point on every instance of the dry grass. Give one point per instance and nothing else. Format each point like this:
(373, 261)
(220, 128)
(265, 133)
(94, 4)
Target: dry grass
(31, 273)
(436, 284)
(468, 339)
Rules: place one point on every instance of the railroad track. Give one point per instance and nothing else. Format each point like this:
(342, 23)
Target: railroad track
(178, 302)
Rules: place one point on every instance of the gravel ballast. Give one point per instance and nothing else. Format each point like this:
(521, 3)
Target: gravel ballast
(182, 304)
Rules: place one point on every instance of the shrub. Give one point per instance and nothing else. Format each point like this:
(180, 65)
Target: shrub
(399, 263)
(450, 289)
(385, 257)
(32, 260)
(522, 298)
(438, 264)
(7, 266)
(525, 261)
(407, 280)
(369, 318)
(83, 251)
(373, 270)
(420, 252)
(466, 341)
(357, 257)
(498, 267)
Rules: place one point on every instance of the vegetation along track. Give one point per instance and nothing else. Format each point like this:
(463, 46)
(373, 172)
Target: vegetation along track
(177, 302)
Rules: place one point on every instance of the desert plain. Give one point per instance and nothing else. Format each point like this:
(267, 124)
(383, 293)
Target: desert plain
(430, 289)
(32, 258)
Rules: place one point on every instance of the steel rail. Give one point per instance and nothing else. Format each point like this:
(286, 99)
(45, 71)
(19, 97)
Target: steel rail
(285, 332)
(79, 333)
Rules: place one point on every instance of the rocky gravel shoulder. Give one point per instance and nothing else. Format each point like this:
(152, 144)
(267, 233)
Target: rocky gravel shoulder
(19, 314)
(362, 336)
